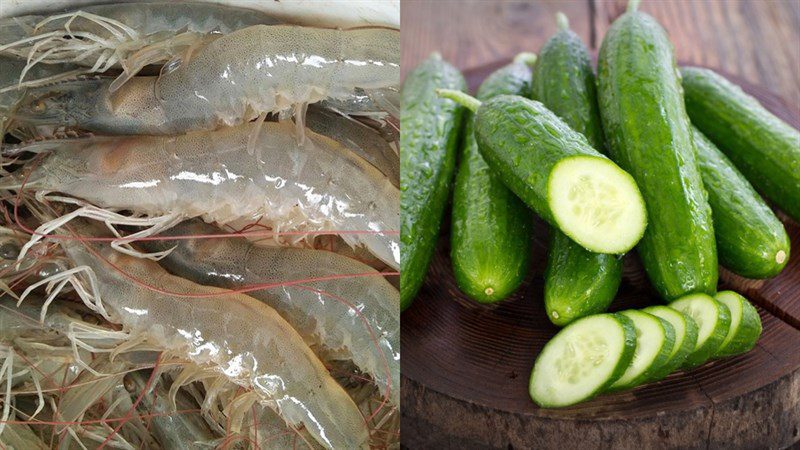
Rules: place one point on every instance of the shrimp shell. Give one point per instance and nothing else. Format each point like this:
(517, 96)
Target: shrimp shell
(238, 336)
(323, 321)
(315, 187)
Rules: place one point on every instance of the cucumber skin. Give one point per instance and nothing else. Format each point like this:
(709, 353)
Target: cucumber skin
(709, 349)
(763, 147)
(649, 135)
(623, 363)
(749, 235)
(509, 129)
(688, 344)
(577, 282)
(491, 227)
(747, 337)
(427, 162)
(653, 373)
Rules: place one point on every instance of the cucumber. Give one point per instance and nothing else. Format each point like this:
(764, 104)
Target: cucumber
(582, 360)
(577, 282)
(765, 148)
(555, 171)
(431, 127)
(490, 240)
(655, 338)
(685, 336)
(648, 132)
(745, 326)
(751, 241)
(713, 321)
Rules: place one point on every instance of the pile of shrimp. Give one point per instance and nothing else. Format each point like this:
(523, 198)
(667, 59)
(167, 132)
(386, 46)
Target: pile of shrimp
(199, 214)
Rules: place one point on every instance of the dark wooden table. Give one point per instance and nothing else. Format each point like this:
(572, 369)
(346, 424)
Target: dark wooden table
(465, 367)
(757, 40)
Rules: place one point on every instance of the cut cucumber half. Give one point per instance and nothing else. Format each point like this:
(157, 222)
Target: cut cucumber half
(685, 336)
(655, 338)
(596, 204)
(745, 326)
(713, 321)
(582, 360)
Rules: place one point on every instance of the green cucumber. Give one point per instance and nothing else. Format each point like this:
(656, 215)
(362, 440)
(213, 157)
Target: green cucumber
(685, 336)
(491, 228)
(751, 241)
(431, 127)
(655, 338)
(713, 320)
(582, 360)
(745, 325)
(648, 131)
(555, 171)
(763, 147)
(577, 282)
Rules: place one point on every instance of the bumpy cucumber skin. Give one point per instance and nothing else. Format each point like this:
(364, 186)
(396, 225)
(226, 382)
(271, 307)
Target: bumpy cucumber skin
(748, 333)
(431, 127)
(491, 227)
(654, 371)
(749, 235)
(623, 363)
(577, 282)
(712, 344)
(646, 126)
(687, 346)
(509, 129)
(763, 147)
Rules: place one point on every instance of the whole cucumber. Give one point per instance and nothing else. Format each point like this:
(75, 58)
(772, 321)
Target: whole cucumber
(491, 228)
(763, 147)
(751, 241)
(648, 131)
(431, 127)
(577, 282)
(555, 171)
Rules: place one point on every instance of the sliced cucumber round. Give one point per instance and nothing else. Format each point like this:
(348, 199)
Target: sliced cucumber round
(596, 203)
(582, 360)
(745, 326)
(713, 320)
(685, 336)
(655, 338)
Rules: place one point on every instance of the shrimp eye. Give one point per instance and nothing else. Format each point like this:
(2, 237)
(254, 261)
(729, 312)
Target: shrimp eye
(40, 106)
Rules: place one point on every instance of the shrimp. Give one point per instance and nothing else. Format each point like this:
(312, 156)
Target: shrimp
(244, 340)
(372, 341)
(317, 187)
(233, 79)
(105, 36)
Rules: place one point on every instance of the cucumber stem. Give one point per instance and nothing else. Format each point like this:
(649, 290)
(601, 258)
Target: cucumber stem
(461, 98)
(562, 21)
(633, 5)
(527, 58)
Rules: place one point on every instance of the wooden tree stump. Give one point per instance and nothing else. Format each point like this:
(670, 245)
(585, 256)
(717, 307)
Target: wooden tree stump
(466, 367)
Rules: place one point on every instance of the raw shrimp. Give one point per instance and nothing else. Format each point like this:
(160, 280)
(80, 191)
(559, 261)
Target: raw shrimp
(317, 187)
(105, 36)
(363, 140)
(370, 337)
(238, 77)
(245, 341)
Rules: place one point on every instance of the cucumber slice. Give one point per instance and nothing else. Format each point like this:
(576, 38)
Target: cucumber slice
(596, 203)
(685, 336)
(713, 320)
(582, 360)
(745, 326)
(655, 338)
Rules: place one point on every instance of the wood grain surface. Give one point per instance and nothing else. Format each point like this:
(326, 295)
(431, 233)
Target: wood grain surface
(466, 367)
(756, 40)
